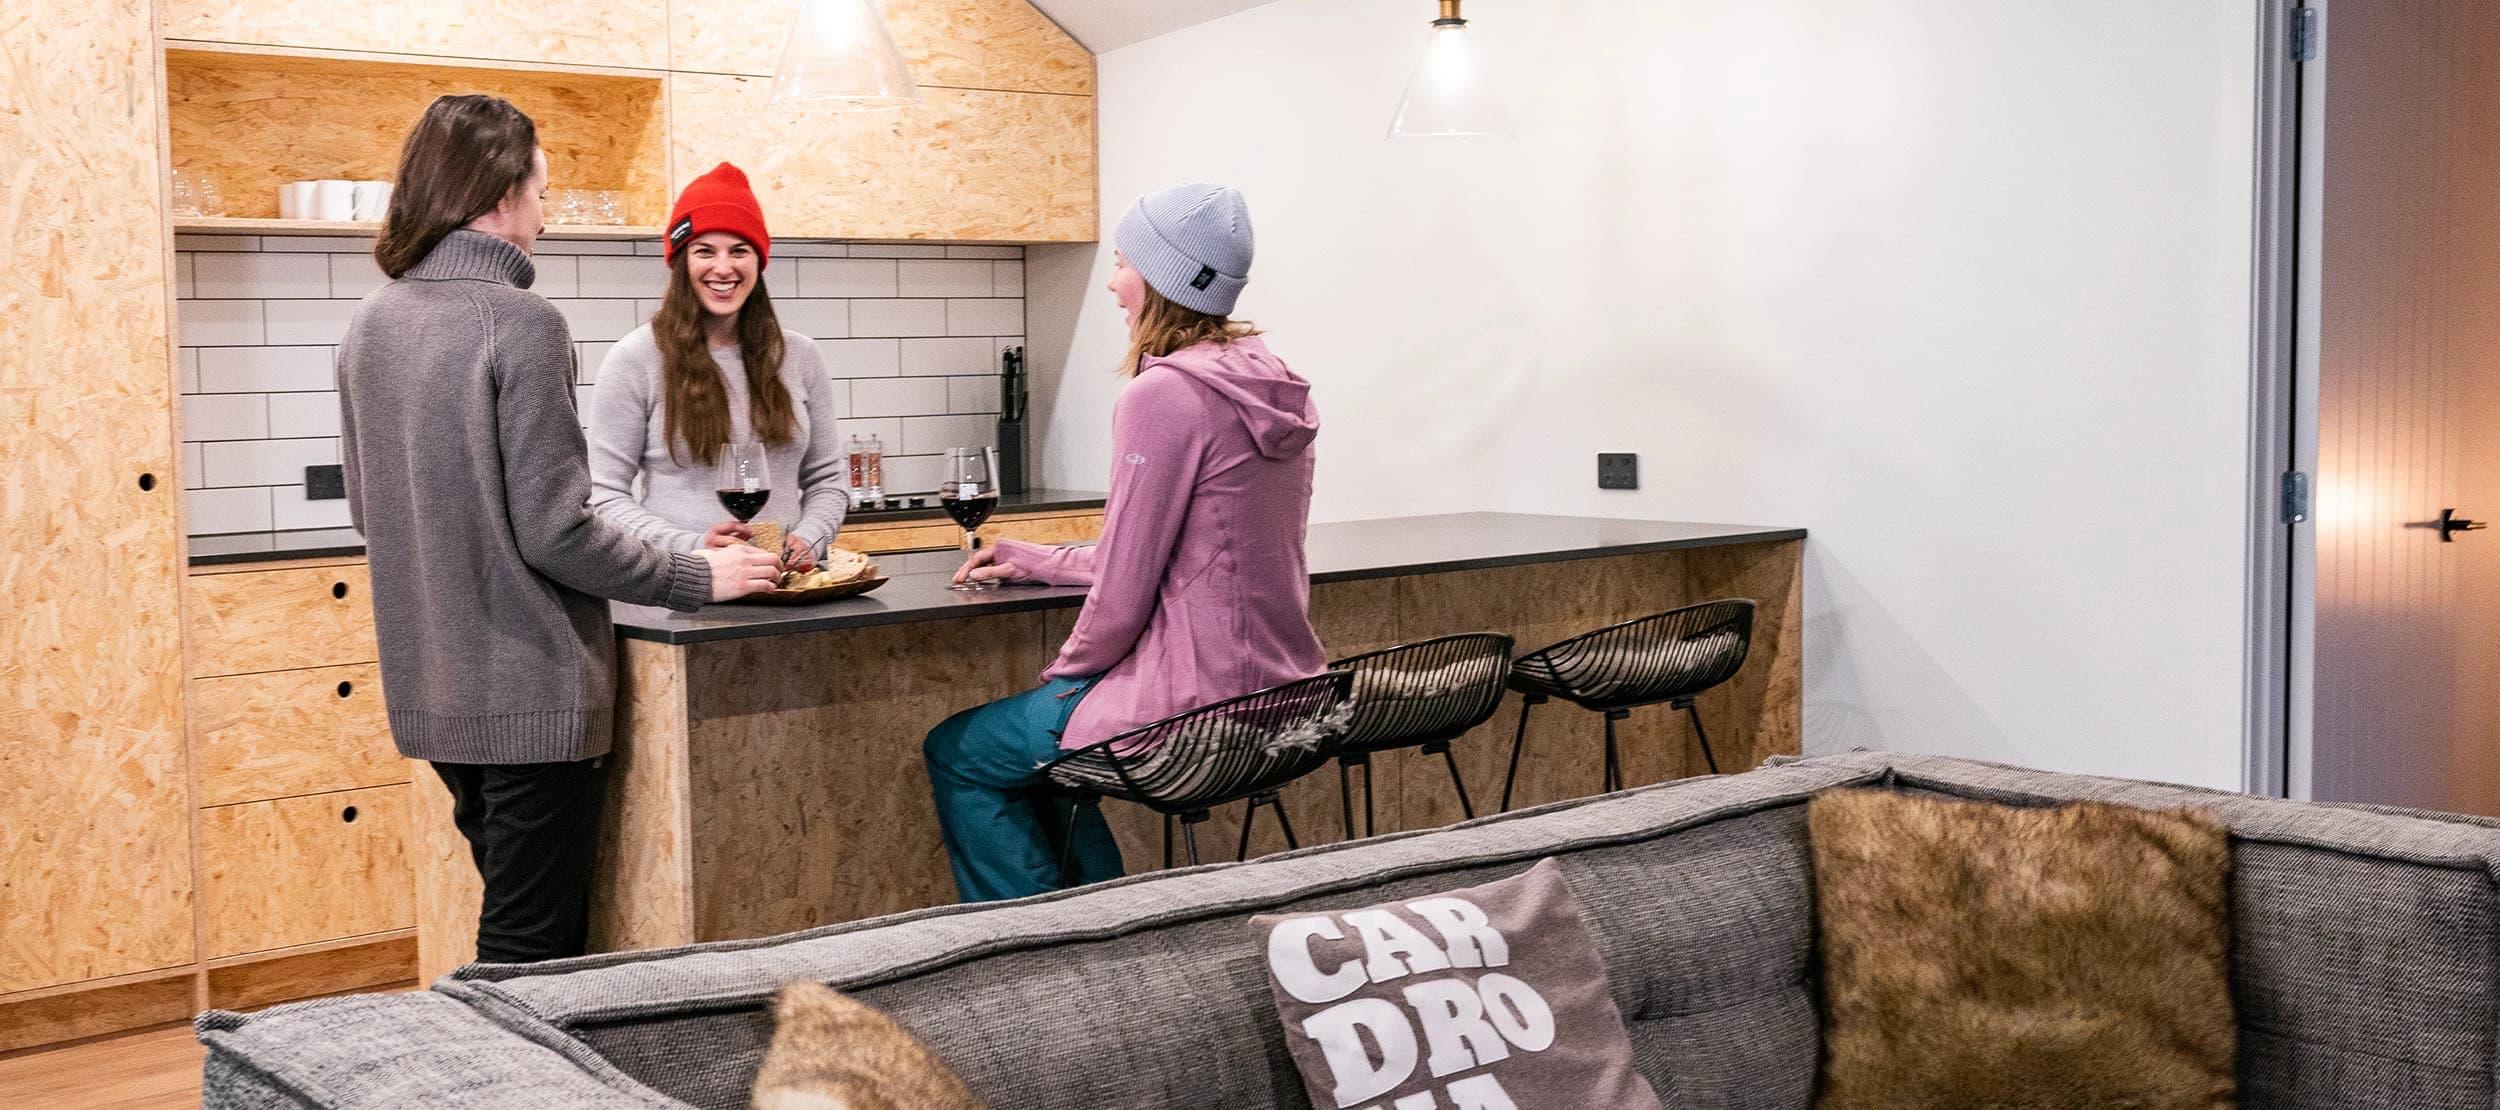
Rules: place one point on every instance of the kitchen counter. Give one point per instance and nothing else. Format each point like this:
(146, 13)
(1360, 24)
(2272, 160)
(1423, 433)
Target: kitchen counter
(767, 772)
(1352, 551)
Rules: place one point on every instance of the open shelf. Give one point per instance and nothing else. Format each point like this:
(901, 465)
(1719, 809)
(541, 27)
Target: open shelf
(198, 225)
(252, 121)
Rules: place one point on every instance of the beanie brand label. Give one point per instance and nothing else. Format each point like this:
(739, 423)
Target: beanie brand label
(1206, 277)
(678, 231)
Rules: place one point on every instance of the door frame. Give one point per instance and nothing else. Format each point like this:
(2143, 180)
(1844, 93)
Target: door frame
(2282, 556)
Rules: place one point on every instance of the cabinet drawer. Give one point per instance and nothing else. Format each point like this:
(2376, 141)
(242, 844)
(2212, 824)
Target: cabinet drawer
(301, 870)
(287, 733)
(1077, 528)
(280, 620)
(875, 540)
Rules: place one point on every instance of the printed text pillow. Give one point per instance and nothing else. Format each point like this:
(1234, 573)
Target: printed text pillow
(1488, 998)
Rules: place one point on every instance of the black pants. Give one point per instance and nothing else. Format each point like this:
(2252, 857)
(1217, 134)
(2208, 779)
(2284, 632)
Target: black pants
(533, 829)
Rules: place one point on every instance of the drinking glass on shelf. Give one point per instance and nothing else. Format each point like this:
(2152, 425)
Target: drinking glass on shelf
(567, 206)
(196, 194)
(743, 480)
(607, 206)
(970, 498)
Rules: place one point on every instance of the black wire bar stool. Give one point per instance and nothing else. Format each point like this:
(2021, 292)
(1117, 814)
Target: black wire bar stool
(1184, 765)
(1419, 695)
(1666, 657)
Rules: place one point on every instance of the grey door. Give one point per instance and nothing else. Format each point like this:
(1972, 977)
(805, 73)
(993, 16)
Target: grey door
(2406, 233)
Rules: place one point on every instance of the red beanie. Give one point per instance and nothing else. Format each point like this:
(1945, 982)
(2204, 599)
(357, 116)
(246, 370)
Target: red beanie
(719, 201)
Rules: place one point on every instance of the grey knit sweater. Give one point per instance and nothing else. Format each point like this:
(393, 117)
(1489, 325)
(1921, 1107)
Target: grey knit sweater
(466, 472)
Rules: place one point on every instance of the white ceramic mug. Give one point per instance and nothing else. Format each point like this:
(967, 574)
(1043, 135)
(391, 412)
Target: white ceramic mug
(295, 200)
(373, 199)
(334, 201)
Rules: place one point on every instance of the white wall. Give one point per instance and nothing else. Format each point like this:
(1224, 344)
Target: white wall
(1960, 285)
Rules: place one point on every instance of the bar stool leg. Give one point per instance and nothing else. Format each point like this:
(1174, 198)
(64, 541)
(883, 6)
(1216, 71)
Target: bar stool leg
(1067, 843)
(1464, 805)
(1371, 824)
(1249, 817)
(1167, 841)
(1704, 737)
(1517, 741)
(1345, 794)
(1282, 823)
(1189, 837)
(1614, 762)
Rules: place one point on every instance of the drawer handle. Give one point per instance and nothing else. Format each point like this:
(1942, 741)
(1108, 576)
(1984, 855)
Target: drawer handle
(346, 688)
(348, 815)
(338, 590)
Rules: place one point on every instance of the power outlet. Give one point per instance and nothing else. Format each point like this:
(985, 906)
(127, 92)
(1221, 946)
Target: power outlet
(1618, 471)
(325, 483)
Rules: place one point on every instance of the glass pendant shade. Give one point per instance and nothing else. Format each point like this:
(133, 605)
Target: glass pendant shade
(1449, 96)
(841, 57)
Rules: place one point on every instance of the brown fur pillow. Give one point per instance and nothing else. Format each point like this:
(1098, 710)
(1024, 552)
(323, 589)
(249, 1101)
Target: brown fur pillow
(833, 1053)
(1979, 955)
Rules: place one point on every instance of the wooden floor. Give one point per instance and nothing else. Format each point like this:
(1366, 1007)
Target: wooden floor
(150, 1070)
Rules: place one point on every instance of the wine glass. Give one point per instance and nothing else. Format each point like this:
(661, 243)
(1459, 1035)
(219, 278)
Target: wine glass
(743, 480)
(970, 498)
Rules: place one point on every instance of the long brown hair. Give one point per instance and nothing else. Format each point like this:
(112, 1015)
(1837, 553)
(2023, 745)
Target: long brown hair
(1165, 326)
(464, 156)
(690, 382)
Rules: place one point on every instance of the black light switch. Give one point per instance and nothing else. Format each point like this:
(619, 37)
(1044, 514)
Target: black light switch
(325, 483)
(1618, 471)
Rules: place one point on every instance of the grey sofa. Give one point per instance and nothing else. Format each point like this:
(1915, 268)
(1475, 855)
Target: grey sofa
(2363, 967)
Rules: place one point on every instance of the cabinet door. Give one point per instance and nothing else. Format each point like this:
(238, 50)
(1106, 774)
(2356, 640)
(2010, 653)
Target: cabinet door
(578, 32)
(301, 870)
(95, 849)
(280, 620)
(964, 164)
(953, 44)
(289, 733)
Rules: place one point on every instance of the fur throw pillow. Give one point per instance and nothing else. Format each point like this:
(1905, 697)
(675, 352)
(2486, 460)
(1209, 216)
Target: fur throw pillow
(830, 1052)
(1979, 955)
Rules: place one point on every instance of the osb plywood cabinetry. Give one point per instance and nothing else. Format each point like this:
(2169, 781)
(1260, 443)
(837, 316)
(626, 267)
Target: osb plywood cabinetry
(95, 838)
(579, 32)
(254, 121)
(922, 535)
(302, 870)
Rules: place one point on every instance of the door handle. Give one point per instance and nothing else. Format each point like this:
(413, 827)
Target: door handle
(2450, 524)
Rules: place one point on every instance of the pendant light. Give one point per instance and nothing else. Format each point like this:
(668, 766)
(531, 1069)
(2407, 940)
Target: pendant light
(1449, 97)
(841, 57)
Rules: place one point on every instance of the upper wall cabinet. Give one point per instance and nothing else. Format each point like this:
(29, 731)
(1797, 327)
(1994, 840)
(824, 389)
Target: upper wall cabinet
(957, 44)
(575, 32)
(961, 164)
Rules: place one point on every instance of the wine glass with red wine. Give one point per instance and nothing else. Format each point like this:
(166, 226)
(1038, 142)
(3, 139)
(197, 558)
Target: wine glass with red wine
(744, 482)
(969, 497)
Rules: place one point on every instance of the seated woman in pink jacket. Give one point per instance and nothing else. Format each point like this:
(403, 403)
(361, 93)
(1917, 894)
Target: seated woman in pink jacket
(1199, 587)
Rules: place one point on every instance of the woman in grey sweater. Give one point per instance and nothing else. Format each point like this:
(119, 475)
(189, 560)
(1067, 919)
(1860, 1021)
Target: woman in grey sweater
(714, 367)
(465, 472)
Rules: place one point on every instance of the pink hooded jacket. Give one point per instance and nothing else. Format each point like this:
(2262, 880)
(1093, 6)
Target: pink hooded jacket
(1200, 590)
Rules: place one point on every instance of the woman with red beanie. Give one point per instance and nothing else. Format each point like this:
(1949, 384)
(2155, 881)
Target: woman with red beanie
(714, 367)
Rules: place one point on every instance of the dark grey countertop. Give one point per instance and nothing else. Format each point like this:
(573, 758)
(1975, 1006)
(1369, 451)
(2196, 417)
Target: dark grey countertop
(328, 543)
(1342, 552)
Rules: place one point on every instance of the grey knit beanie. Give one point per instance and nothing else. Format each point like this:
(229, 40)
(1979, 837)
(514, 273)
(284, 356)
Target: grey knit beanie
(1191, 243)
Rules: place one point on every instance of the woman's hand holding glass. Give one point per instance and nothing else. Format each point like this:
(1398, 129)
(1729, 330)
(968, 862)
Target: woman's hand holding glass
(983, 566)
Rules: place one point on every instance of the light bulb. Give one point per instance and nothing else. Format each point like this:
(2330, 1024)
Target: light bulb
(1449, 96)
(841, 57)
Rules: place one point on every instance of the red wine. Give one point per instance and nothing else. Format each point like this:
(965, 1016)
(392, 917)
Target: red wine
(971, 512)
(744, 504)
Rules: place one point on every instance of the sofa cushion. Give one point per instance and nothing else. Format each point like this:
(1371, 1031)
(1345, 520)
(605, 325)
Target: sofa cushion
(1140, 992)
(1976, 954)
(1486, 996)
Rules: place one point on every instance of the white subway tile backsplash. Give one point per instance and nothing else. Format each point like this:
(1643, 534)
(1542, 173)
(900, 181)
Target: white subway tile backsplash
(628, 277)
(897, 250)
(227, 510)
(948, 278)
(302, 322)
(650, 248)
(290, 509)
(267, 369)
(317, 244)
(184, 287)
(265, 462)
(191, 466)
(1008, 277)
(969, 250)
(914, 473)
(557, 276)
(299, 415)
(862, 358)
(897, 396)
(818, 319)
(216, 242)
(581, 403)
(846, 277)
(355, 275)
(926, 435)
(809, 248)
(260, 276)
(201, 323)
(898, 318)
(972, 395)
(1001, 316)
(583, 246)
(187, 369)
(947, 357)
(220, 416)
(599, 321)
(592, 357)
